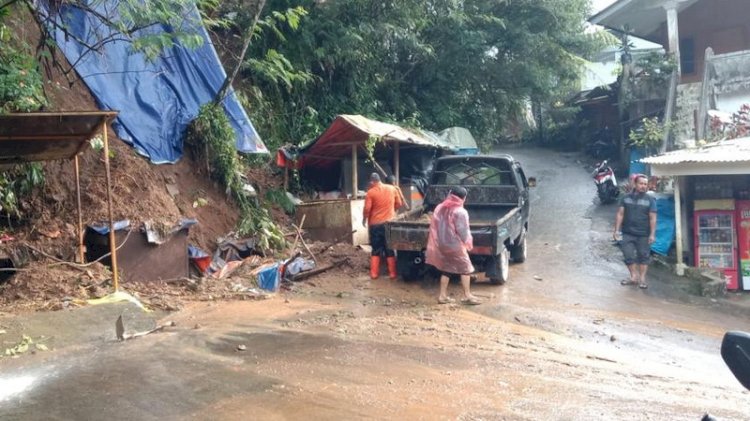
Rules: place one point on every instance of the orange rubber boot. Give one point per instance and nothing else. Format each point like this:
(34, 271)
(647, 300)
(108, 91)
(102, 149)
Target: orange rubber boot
(374, 267)
(391, 267)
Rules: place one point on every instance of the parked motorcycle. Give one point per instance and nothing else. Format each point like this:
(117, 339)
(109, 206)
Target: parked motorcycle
(606, 183)
(735, 350)
(604, 145)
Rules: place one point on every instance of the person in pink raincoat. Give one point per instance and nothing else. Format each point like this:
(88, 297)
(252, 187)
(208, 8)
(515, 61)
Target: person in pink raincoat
(449, 243)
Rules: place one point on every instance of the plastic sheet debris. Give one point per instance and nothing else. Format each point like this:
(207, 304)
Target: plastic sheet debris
(269, 276)
(228, 257)
(159, 233)
(299, 264)
(199, 258)
(102, 228)
(294, 199)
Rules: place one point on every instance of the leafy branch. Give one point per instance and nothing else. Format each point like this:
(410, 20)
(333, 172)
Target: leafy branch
(650, 134)
(212, 130)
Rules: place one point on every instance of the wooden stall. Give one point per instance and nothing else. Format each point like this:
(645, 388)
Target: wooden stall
(358, 141)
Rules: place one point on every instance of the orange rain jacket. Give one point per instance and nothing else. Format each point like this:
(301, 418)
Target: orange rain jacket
(381, 203)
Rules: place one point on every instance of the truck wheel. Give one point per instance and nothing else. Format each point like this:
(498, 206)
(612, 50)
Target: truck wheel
(518, 254)
(408, 268)
(502, 261)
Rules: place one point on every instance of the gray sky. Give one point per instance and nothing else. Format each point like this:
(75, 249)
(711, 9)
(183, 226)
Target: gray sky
(598, 5)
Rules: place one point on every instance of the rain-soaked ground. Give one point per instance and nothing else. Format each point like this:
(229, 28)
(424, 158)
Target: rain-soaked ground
(562, 340)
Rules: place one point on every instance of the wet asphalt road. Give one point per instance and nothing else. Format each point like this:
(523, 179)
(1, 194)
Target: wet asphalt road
(561, 340)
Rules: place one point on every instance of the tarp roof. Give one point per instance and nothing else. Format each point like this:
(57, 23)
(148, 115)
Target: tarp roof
(157, 98)
(723, 157)
(28, 137)
(458, 137)
(346, 130)
(642, 17)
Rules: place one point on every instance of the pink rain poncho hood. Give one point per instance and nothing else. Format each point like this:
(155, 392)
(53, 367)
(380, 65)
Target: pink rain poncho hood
(450, 237)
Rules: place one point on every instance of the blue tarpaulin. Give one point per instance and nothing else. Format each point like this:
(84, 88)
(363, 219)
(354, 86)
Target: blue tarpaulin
(102, 228)
(665, 225)
(636, 166)
(156, 98)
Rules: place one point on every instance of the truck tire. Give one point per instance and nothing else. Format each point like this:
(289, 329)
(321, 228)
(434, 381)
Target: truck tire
(407, 268)
(518, 253)
(502, 262)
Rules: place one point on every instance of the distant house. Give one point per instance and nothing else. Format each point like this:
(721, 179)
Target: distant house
(710, 39)
(598, 97)
(602, 69)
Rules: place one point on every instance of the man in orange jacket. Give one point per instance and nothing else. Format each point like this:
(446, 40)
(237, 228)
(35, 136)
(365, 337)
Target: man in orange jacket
(381, 203)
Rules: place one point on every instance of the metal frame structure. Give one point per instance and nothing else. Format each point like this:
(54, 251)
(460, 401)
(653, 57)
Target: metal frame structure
(48, 136)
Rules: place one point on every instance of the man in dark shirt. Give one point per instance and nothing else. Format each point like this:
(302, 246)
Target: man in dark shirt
(637, 218)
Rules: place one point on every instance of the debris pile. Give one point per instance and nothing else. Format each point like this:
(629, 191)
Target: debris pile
(49, 284)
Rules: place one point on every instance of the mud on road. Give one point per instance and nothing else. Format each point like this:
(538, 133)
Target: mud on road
(562, 340)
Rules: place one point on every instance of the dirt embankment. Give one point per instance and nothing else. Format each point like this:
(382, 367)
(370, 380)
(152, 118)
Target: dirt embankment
(140, 191)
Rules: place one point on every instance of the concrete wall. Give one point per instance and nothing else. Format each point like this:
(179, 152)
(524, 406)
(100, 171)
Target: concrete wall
(688, 101)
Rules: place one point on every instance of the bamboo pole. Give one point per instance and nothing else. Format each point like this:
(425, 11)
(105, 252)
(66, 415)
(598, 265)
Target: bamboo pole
(80, 212)
(397, 162)
(112, 245)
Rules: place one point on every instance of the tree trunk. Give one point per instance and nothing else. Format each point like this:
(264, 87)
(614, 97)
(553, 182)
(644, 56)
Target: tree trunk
(245, 45)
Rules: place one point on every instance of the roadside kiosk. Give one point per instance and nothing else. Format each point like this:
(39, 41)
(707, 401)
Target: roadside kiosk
(338, 163)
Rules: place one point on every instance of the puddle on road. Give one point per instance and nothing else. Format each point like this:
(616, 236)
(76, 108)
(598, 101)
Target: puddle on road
(285, 346)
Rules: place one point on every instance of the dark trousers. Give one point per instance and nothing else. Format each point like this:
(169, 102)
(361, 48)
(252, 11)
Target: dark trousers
(635, 249)
(377, 241)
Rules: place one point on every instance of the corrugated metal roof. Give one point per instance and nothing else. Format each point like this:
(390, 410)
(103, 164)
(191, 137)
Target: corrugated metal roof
(347, 130)
(734, 150)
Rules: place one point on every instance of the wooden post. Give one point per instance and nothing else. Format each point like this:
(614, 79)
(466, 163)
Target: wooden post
(680, 267)
(112, 242)
(80, 212)
(397, 162)
(286, 178)
(355, 182)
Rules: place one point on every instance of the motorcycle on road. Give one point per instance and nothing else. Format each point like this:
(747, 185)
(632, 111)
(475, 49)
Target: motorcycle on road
(735, 350)
(606, 183)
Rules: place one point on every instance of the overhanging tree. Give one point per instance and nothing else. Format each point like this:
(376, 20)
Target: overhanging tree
(131, 21)
(434, 63)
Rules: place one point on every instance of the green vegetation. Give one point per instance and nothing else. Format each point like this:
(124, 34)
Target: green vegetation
(279, 198)
(656, 66)
(650, 134)
(211, 132)
(424, 64)
(21, 87)
(21, 90)
(435, 64)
